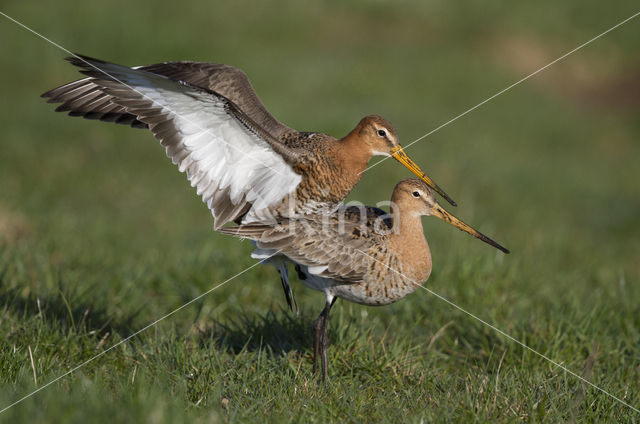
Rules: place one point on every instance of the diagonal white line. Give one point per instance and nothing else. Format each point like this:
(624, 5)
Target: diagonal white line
(76, 368)
(508, 88)
(175, 310)
(493, 327)
(207, 131)
(377, 163)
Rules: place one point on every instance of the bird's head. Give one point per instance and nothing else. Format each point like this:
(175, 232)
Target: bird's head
(381, 139)
(414, 198)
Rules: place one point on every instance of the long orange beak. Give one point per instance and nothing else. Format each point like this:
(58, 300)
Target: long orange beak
(398, 154)
(439, 212)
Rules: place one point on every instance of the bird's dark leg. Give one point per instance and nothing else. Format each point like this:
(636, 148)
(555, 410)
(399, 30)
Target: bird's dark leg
(288, 293)
(316, 342)
(321, 342)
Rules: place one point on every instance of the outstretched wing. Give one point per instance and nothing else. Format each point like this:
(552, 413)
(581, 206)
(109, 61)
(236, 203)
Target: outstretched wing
(235, 165)
(227, 80)
(332, 248)
(86, 99)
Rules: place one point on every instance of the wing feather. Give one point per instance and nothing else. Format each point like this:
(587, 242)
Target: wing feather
(332, 251)
(226, 80)
(234, 164)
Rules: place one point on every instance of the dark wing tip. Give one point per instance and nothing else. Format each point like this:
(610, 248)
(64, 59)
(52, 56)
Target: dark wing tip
(82, 61)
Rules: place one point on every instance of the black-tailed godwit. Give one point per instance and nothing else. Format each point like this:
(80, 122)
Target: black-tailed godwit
(362, 255)
(246, 165)
(212, 124)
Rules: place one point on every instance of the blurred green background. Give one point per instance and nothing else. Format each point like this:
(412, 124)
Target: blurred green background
(100, 235)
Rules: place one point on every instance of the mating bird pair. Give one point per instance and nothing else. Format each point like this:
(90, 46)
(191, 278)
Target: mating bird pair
(283, 188)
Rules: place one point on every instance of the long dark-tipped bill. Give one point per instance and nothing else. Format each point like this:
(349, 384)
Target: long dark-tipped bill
(439, 212)
(398, 154)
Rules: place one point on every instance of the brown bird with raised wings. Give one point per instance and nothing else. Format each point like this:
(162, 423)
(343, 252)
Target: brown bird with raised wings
(215, 128)
(246, 165)
(363, 255)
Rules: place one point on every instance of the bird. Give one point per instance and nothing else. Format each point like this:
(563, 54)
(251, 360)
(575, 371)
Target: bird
(361, 254)
(246, 165)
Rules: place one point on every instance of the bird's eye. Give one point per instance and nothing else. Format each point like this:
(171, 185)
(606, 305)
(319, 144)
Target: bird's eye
(416, 194)
(382, 133)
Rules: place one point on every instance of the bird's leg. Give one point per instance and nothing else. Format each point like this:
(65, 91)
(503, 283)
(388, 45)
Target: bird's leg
(324, 345)
(281, 267)
(288, 293)
(316, 343)
(322, 339)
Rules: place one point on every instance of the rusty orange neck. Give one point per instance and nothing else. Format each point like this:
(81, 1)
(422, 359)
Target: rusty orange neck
(353, 155)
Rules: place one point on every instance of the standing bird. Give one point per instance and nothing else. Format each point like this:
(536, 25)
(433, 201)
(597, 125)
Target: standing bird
(246, 165)
(363, 255)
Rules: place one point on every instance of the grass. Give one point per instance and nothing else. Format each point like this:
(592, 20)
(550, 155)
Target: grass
(100, 236)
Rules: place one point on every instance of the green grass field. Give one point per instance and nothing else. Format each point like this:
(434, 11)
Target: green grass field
(100, 235)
